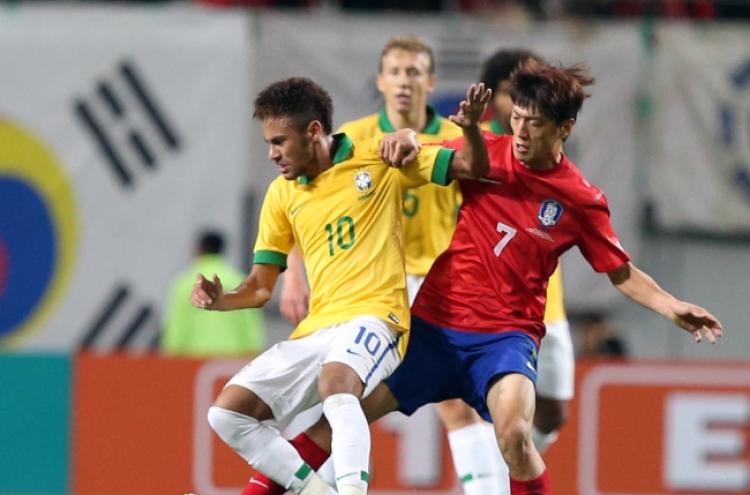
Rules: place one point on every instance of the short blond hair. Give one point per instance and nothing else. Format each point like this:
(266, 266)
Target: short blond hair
(413, 44)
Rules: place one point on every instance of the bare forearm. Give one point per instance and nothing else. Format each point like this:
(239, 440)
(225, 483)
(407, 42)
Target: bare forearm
(295, 268)
(254, 291)
(642, 289)
(475, 152)
(245, 296)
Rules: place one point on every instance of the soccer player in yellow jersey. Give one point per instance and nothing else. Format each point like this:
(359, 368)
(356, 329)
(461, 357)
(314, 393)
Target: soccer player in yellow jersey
(342, 206)
(406, 77)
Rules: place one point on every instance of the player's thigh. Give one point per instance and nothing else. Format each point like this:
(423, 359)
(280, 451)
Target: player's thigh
(368, 346)
(556, 365)
(413, 284)
(285, 377)
(511, 400)
(456, 414)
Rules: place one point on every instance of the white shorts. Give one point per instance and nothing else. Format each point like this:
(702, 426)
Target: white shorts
(413, 283)
(285, 377)
(556, 366)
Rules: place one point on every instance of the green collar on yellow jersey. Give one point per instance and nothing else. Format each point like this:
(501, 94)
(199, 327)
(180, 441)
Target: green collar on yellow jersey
(496, 128)
(432, 127)
(344, 147)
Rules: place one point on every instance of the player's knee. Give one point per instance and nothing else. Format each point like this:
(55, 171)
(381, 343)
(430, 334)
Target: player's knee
(228, 425)
(457, 414)
(513, 437)
(338, 378)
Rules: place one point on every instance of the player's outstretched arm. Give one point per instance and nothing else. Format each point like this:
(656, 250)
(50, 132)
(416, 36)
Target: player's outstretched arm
(295, 294)
(472, 162)
(253, 292)
(641, 288)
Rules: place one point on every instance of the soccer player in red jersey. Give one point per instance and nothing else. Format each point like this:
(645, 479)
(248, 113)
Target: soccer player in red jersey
(478, 319)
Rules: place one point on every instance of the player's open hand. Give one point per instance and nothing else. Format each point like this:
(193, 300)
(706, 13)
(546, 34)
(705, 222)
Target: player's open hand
(206, 293)
(399, 148)
(473, 107)
(696, 320)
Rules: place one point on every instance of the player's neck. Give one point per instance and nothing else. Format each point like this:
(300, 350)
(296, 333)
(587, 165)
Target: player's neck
(415, 120)
(323, 154)
(547, 162)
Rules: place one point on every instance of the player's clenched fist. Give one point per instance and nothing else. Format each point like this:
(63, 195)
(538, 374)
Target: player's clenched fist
(399, 148)
(206, 293)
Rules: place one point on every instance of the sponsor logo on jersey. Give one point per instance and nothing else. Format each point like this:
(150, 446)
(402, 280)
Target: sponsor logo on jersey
(296, 208)
(363, 181)
(550, 213)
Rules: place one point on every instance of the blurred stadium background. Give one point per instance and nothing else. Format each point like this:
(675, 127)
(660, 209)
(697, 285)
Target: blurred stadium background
(125, 129)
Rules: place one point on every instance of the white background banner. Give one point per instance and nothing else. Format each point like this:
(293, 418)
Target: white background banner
(141, 118)
(701, 171)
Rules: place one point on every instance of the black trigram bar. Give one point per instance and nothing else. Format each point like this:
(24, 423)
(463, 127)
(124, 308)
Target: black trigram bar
(139, 89)
(110, 100)
(134, 327)
(89, 120)
(111, 306)
(142, 149)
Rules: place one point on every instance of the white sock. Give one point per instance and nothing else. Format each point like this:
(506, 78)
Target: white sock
(327, 473)
(542, 440)
(265, 450)
(317, 486)
(350, 443)
(475, 459)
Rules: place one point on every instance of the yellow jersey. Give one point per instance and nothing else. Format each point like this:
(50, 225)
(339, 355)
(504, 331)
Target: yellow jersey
(555, 310)
(347, 225)
(430, 210)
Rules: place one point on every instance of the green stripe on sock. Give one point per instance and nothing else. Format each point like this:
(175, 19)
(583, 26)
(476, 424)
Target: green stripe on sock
(303, 472)
(466, 478)
(365, 477)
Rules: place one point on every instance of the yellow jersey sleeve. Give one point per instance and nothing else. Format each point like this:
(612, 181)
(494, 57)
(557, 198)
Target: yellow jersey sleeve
(555, 310)
(432, 165)
(275, 235)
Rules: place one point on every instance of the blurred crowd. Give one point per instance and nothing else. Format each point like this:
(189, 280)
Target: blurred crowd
(538, 9)
(686, 9)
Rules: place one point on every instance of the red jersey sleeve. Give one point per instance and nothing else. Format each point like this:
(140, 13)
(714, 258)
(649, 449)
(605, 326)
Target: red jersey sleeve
(598, 242)
(454, 144)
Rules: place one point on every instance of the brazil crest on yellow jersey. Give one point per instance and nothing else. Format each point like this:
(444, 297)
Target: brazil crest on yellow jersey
(430, 210)
(347, 225)
(555, 310)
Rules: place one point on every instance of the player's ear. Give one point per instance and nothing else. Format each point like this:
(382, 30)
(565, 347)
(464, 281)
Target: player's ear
(566, 128)
(379, 82)
(315, 130)
(431, 82)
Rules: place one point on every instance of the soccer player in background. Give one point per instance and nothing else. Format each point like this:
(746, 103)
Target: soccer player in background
(342, 206)
(477, 322)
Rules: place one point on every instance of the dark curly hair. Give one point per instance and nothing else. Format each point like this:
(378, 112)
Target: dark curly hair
(500, 65)
(299, 99)
(556, 92)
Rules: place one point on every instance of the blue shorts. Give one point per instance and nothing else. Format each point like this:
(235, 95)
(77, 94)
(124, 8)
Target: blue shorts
(442, 363)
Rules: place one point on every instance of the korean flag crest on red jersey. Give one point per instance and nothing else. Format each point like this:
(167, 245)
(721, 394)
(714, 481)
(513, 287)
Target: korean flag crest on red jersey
(363, 181)
(550, 212)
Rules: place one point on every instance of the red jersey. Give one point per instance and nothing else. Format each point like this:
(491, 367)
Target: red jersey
(512, 229)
